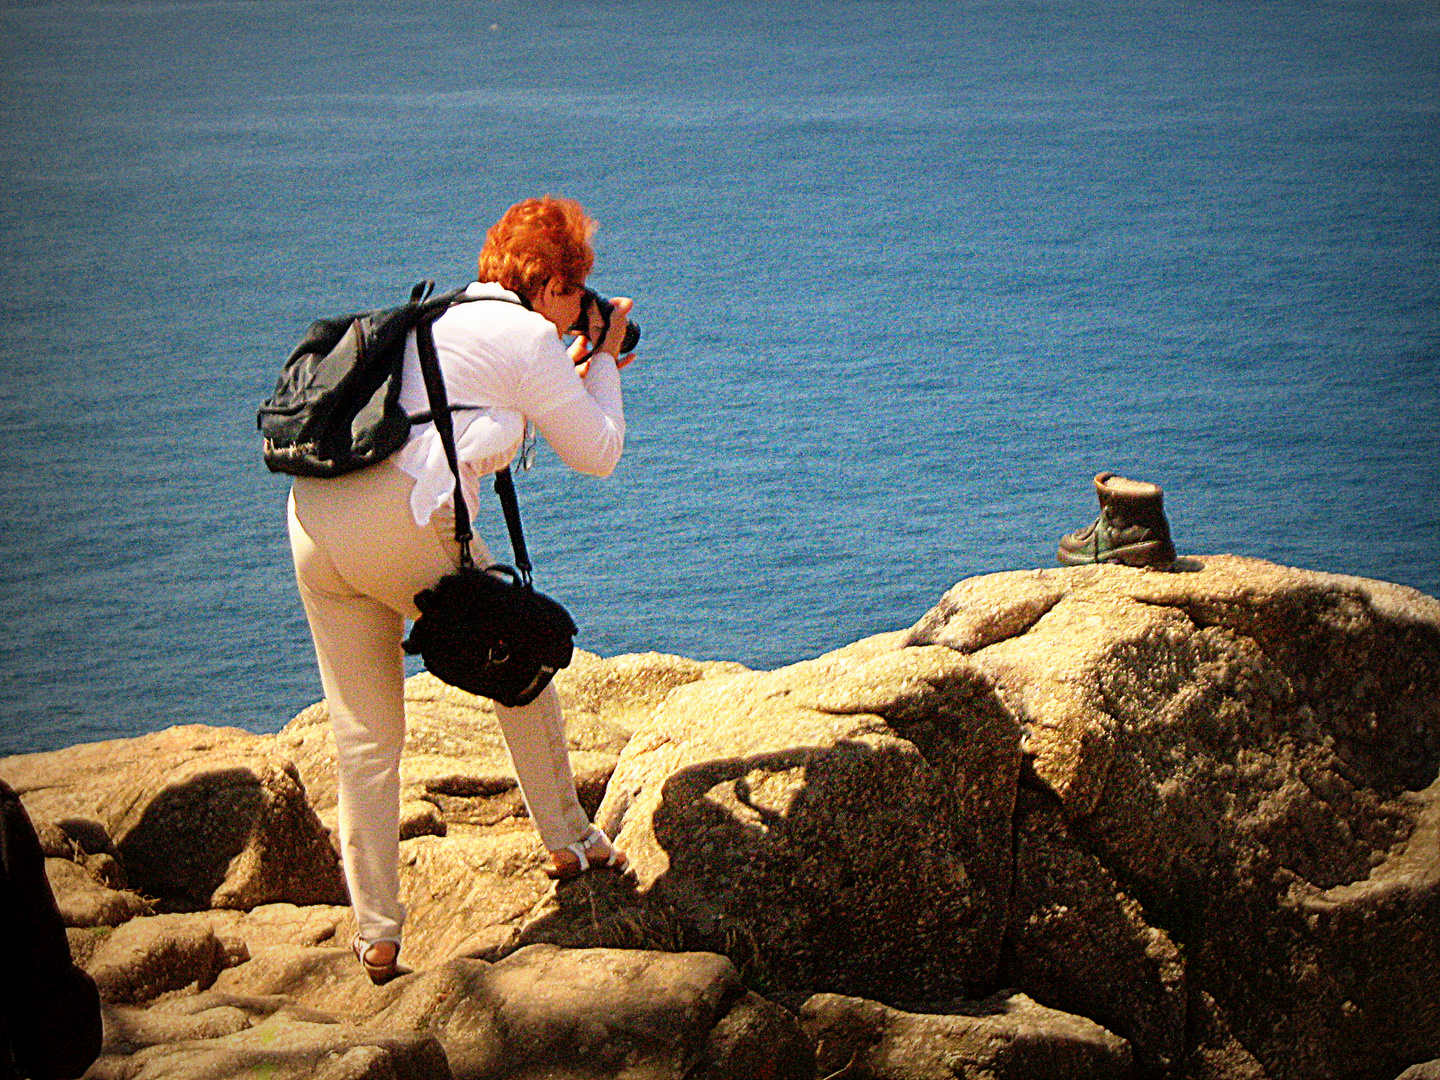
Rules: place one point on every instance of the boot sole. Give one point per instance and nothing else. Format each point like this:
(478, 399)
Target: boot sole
(1149, 553)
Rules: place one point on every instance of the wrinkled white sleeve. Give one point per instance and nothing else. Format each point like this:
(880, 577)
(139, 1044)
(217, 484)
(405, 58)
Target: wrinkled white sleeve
(588, 429)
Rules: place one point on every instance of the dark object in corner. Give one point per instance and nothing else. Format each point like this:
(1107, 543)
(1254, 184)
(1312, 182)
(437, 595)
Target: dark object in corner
(50, 1027)
(1131, 528)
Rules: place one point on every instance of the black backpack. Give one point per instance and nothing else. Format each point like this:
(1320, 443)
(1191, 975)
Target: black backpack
(336, 406)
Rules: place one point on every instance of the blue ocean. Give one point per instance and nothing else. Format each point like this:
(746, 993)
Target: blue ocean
(909, 276)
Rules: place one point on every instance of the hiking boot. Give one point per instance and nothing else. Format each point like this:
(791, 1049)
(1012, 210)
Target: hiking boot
(1131, 528)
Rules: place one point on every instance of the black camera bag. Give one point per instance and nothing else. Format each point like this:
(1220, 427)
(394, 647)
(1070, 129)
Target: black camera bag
(489, 632)
(486, 630)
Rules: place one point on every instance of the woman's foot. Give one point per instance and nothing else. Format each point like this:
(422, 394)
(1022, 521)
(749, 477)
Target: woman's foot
(381, 959)
(595, 850)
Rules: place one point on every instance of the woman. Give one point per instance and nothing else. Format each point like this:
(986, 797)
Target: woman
(365, 543)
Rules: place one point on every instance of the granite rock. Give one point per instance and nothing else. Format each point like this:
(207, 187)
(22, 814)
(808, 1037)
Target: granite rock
(1185, 822)
(85, 900)
(842, 822)
(1249, 752)
(199, 817)
(149, 956)
(1004, 1037)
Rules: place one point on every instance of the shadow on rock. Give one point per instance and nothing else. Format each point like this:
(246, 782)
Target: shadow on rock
(847, 856)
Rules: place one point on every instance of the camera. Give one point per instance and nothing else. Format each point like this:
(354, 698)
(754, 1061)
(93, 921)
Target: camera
(590, 298)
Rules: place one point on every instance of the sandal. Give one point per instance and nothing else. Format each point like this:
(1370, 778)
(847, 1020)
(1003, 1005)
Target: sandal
(585, 857)
(379, 973)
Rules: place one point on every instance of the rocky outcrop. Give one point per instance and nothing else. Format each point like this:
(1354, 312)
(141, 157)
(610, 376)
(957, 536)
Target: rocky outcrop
(1093, 821)
(616, 1012)
(1078, 942)
(470, 892)
(1175, 802)
(1249, 752)
(1005, 1037)
(455, 758)
(841, 823)
(148, 957)
(282, 1048)
(605, 1013)
(198, 817)
(85, 900)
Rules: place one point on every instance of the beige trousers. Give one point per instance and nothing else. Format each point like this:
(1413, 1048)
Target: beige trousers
(359, 561)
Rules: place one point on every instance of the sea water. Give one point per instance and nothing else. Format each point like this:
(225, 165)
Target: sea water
(909, 276)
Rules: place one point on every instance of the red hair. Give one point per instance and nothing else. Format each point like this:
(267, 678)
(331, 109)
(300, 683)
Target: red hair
(536, 240)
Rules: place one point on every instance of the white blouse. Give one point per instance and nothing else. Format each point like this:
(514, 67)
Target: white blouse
(510, 363)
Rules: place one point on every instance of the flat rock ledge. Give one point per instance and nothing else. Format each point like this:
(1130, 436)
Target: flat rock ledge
(1084, 822)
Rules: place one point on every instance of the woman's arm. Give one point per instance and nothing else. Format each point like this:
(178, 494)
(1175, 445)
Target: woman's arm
(588, 431)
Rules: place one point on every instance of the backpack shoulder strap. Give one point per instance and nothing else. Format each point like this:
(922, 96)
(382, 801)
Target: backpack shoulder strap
(432, 307)
(441, 413)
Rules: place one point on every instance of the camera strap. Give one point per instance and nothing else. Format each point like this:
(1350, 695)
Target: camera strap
(441, 412)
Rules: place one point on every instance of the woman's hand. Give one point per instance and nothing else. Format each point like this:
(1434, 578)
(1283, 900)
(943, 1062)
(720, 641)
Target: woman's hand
(619, 321)
(582, 368)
